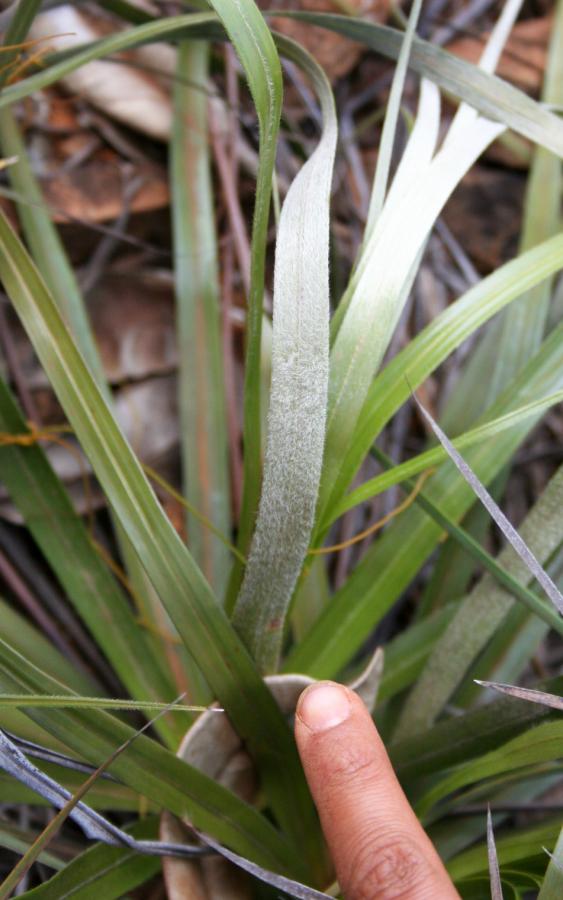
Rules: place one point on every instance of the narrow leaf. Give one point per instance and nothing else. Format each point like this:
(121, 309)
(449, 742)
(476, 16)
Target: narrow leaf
(391, 562)
(436, 455)
(525, 694)
(389, 260)
(63, 538)
(201, 386)
(296, 423)
(293, 888)
(24, 637)
(19, 839)
(456, 740)
(69, 805)
(49, 254)
(75, 702)
(198, 617)
(104, 871)
(391, 117)
(514, 847)
(503, 350)
(490, 95)
(389, 390)
(152, 771)
(378, 296)
(494, 873)
(479, 615)
(538, 745)
(496, 513)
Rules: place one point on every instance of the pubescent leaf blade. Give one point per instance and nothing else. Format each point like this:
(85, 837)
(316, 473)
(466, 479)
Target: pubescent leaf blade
(298, 395)
(256, 50)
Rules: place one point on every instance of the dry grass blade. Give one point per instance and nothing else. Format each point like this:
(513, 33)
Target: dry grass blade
(13, 761)
(521, 693)
(481, 613)
(37, 751)
(494, 873)
(293, 888)
(496, 513)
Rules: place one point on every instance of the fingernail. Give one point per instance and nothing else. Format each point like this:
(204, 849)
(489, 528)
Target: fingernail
(323, 705)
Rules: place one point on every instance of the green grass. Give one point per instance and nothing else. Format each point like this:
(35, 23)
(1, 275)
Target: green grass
(273, 607)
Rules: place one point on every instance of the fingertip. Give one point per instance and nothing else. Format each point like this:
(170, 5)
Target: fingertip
(323, 706)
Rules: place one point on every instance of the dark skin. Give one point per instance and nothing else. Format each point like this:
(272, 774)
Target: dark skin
(379, 848)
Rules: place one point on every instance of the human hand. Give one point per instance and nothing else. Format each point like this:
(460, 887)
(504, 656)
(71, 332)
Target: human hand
(379, 848)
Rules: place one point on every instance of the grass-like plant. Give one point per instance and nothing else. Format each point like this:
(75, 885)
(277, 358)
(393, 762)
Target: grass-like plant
(266, 607)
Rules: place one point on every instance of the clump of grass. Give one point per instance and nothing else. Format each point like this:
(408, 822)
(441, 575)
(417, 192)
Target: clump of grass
(283, 602)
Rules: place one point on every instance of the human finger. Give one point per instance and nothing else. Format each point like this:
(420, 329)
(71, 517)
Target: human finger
(379, 848)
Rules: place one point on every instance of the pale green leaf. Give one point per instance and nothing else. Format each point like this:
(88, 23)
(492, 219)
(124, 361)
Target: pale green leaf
(432, 346)
(296, 421)
(390, 564)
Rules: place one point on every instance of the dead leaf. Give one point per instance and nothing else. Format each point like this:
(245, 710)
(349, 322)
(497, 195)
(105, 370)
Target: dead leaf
(95, 192)
(130, 95)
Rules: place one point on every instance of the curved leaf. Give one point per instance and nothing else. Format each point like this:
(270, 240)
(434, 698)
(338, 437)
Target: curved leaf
(491, 96)
(427, 350)
(296, 422)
